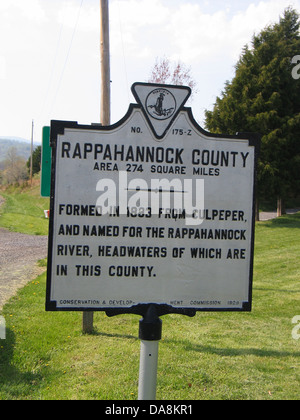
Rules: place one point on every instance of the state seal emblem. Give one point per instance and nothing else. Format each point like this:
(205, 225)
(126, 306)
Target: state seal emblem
(161, 104)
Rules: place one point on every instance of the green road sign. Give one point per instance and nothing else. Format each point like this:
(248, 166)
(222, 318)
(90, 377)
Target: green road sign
(46, 163)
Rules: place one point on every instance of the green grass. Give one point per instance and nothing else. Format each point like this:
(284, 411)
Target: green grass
(23, 210)
(212, 356)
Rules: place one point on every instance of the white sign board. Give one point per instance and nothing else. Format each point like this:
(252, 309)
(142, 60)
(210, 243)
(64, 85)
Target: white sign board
(152, 209)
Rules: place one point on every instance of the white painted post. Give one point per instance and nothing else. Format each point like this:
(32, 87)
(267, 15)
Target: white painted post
(150, 335)
(148, 370)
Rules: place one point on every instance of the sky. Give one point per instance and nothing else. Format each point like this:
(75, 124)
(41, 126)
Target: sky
(50, 53)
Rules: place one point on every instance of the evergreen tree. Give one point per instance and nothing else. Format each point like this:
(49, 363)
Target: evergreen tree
(264, 97)
(36, 160)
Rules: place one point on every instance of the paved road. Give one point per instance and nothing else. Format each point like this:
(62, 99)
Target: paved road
(273, 214)
(19, 254)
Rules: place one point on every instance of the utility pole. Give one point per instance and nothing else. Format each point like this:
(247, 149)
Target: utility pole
(31, 152)
(88, 317)
(105, 63)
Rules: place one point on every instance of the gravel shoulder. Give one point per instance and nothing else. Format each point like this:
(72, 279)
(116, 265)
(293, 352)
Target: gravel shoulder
(19, 254)
(263, 216)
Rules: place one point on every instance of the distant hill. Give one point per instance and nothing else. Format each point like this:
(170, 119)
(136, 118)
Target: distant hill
(22, 146)
(14, 138)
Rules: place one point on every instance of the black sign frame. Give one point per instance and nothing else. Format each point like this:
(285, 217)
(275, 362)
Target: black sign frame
(58, 128)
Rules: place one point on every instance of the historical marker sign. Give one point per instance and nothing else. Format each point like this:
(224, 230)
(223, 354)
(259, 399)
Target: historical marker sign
(152, 209)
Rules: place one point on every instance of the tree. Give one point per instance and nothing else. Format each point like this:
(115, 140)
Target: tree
(167, 72)
(14, 167)
(264, 97)
(36, 160)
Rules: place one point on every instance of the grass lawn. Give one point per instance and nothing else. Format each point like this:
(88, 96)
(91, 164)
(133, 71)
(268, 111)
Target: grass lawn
(212, 356)
(23, 210)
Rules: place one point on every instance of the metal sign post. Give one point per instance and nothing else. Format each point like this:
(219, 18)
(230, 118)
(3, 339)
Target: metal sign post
(148, 370)
(150, 335)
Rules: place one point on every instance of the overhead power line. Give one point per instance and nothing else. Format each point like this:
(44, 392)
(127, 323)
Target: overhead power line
(67, 56)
